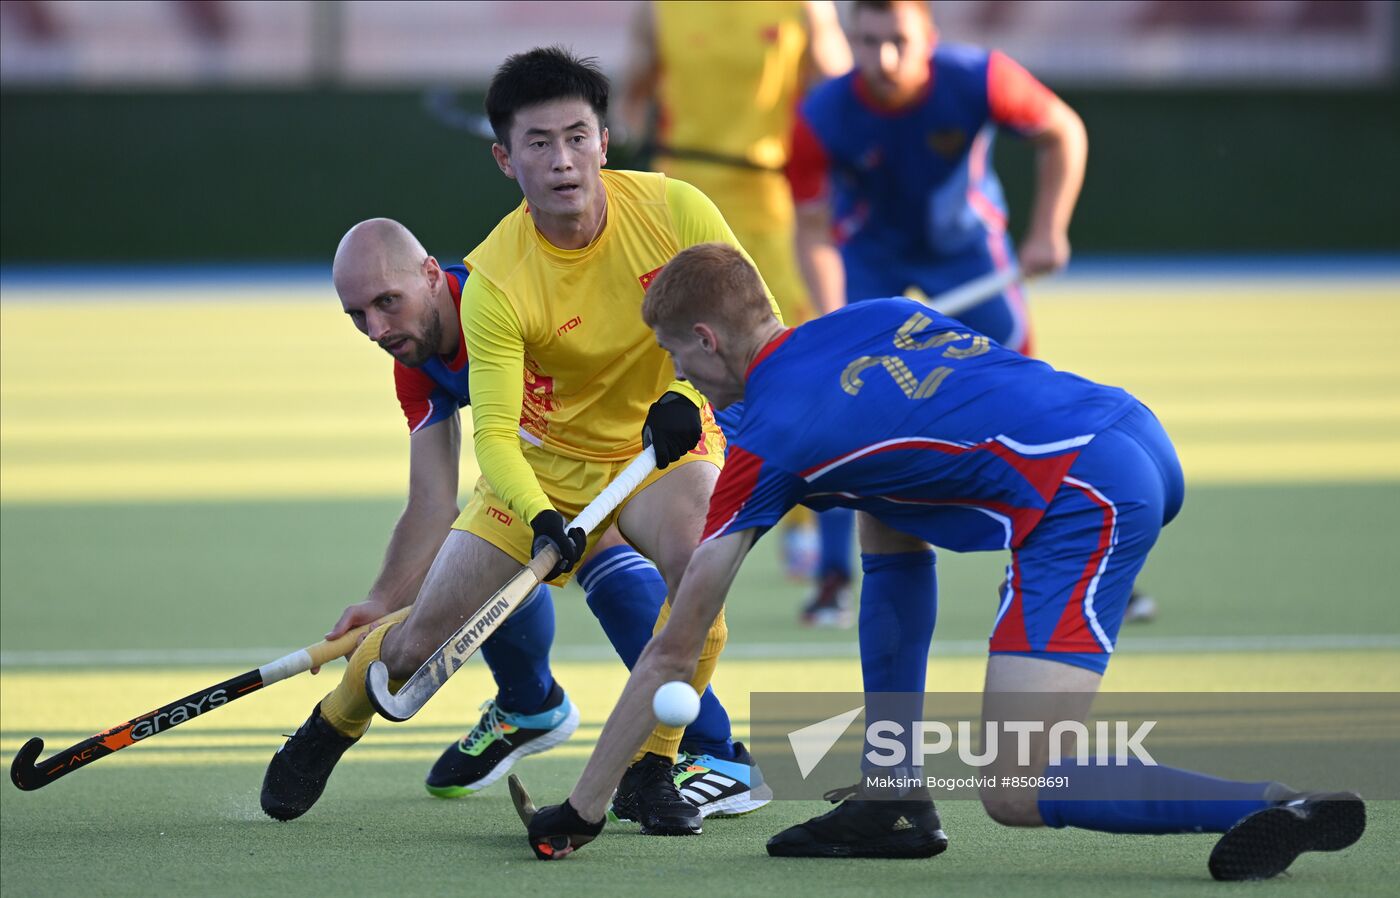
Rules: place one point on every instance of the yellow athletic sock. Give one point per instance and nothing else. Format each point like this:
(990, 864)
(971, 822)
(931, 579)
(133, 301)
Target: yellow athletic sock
(666, 740)
(347, 707)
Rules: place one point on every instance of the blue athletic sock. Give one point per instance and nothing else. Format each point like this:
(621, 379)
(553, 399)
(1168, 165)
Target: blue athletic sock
(625, 592)
(710, 733)
(518, 655)
(898, 609)
(837, 527)
(1149, 799)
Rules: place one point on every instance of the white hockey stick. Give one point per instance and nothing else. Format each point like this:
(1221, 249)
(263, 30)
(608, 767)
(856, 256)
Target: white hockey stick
(461, 645)
(972, 294)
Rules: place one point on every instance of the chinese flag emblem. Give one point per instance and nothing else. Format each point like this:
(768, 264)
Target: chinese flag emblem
(650, 276)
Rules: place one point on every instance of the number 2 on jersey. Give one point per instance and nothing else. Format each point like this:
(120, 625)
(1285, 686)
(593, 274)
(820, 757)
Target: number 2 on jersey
(907, 338)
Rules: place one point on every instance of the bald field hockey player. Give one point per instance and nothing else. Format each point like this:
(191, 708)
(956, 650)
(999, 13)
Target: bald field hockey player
(398, 295)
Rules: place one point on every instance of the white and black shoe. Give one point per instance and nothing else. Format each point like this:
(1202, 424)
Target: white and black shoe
(722, 788)
(498, 740)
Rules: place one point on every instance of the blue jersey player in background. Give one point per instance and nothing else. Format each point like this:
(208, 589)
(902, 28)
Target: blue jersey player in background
(399, 297)
(892, 177)
(943, 437)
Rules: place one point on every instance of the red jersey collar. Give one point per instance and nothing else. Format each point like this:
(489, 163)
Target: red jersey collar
(767, 350)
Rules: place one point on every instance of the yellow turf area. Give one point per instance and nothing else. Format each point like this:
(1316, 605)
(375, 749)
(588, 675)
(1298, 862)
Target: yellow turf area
(272, 394)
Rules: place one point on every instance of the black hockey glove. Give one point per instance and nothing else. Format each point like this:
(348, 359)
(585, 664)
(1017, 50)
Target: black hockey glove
(549, 531)
(558, 831)
(672, 426)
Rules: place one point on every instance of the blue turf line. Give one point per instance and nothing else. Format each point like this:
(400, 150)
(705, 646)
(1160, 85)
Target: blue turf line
(311, 274)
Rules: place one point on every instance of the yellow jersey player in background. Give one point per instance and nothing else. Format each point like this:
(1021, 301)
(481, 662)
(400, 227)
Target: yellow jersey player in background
(724, 80)
(721, 82)
(566, 381)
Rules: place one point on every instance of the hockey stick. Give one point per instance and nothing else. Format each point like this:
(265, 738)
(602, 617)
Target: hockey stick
(461, 645)
(521, 799)
(441, 105)
(972, 294)
(27, 772)
(555, 847)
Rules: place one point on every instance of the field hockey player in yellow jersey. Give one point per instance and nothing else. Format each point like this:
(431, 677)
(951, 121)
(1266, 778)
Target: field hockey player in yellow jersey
(722, 82)
(565, 378)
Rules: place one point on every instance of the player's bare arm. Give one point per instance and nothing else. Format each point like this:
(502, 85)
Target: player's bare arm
(1061, 151)
(397, 295)
(828, 53)
(670, 655)
(818, 258)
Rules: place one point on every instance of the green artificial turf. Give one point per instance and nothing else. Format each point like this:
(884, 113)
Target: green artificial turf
(198, 830)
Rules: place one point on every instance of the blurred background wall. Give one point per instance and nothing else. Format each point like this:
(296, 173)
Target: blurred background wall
(219, 130)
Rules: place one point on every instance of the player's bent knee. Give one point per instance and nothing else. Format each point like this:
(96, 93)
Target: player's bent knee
(1012, 811)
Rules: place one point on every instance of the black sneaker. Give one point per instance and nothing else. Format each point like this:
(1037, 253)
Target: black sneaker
(500, 739)
(648, 795)
(862, 827)
(297, 774)
(1263, 844)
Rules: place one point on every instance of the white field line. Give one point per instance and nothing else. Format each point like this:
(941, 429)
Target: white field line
(743, 650)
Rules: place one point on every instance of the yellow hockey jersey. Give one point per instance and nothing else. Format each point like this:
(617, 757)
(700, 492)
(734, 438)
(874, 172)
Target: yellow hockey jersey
(560, 356)
(730, 77)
